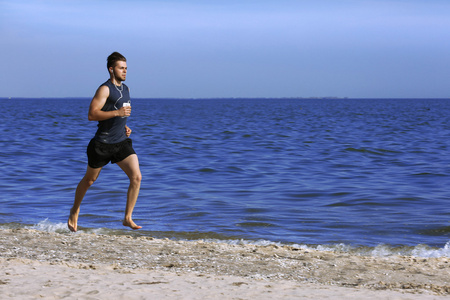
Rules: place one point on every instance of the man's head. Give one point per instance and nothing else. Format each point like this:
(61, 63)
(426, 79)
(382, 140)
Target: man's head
(117, 67)
(113, 58)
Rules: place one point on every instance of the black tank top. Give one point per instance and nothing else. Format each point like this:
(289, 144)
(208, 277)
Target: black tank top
(112, 131)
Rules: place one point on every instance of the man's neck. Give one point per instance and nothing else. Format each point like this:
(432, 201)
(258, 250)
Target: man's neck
(115, 81)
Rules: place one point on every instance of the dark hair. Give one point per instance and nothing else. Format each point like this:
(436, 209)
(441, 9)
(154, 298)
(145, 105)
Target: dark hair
(113, 58)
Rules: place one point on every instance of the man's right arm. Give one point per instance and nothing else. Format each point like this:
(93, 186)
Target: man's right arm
(95, 109)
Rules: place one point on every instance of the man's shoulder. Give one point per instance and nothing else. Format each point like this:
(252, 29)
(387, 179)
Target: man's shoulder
(107, 83)
(103, 91)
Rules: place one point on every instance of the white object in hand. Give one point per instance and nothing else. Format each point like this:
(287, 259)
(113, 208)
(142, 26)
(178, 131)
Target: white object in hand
(126, 104)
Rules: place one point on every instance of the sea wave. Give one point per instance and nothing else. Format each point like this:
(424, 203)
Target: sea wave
(422, 251)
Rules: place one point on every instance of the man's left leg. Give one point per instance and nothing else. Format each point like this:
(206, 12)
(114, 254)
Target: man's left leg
(130, 166)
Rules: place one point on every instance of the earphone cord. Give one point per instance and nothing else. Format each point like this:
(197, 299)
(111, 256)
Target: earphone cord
(120, 91)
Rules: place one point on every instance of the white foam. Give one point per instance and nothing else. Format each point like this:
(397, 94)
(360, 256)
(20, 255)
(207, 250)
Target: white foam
(425, 251)
(417, 251)
(48, 226)
(334, 248)
(379, 251)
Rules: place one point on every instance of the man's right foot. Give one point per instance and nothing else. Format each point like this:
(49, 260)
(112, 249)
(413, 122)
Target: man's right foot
(72, 222)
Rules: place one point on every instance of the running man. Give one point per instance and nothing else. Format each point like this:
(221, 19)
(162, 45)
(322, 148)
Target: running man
(111, 143)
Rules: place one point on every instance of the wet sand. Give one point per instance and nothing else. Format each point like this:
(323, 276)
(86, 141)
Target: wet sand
(38, 264)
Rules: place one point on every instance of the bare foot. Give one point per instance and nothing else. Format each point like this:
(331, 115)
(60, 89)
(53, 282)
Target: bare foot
(131, 224)
(72, 222)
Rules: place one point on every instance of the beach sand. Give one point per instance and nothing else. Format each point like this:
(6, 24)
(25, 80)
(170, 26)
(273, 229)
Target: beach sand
(36, 264)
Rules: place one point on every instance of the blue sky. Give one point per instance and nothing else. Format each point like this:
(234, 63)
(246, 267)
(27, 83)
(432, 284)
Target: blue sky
(202, 49)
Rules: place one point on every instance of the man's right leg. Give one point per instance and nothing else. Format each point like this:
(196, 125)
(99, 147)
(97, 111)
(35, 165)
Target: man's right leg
(89, 178)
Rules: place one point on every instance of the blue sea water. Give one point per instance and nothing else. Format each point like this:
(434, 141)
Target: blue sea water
(352, 172)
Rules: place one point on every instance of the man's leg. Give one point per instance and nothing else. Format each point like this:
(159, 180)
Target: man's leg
(130, 166)
(89, 178)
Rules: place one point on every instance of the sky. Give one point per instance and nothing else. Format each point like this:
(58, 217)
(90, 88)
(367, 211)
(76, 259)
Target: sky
(233, 48)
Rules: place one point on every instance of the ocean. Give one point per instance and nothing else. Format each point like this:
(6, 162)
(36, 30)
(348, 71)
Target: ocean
(364, 175)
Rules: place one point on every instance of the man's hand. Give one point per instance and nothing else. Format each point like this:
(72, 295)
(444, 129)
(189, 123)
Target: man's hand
(124, 111)
(127, 130)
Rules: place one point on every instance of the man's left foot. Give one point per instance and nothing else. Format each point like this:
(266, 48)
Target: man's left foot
(131, 224)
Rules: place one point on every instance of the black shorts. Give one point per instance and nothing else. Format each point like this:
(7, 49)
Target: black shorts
(100, 154)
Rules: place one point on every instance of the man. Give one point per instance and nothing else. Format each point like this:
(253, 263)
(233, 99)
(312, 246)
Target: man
(110, 107)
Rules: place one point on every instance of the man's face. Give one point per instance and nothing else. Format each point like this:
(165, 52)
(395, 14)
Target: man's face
(120, 70)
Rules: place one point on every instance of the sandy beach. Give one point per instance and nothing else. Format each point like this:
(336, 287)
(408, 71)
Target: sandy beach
(37, 264)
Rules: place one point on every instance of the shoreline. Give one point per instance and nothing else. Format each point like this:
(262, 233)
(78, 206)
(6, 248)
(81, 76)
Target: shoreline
(194, 266)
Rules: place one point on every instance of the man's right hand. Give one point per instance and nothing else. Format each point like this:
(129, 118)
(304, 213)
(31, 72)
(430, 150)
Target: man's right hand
(125, 111)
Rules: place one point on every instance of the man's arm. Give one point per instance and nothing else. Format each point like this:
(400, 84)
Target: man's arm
(97, 103)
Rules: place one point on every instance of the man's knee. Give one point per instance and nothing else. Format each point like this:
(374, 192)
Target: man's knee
(136, 178)
(90, 180)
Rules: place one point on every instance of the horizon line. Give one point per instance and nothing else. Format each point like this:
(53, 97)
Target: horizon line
(233, 98)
